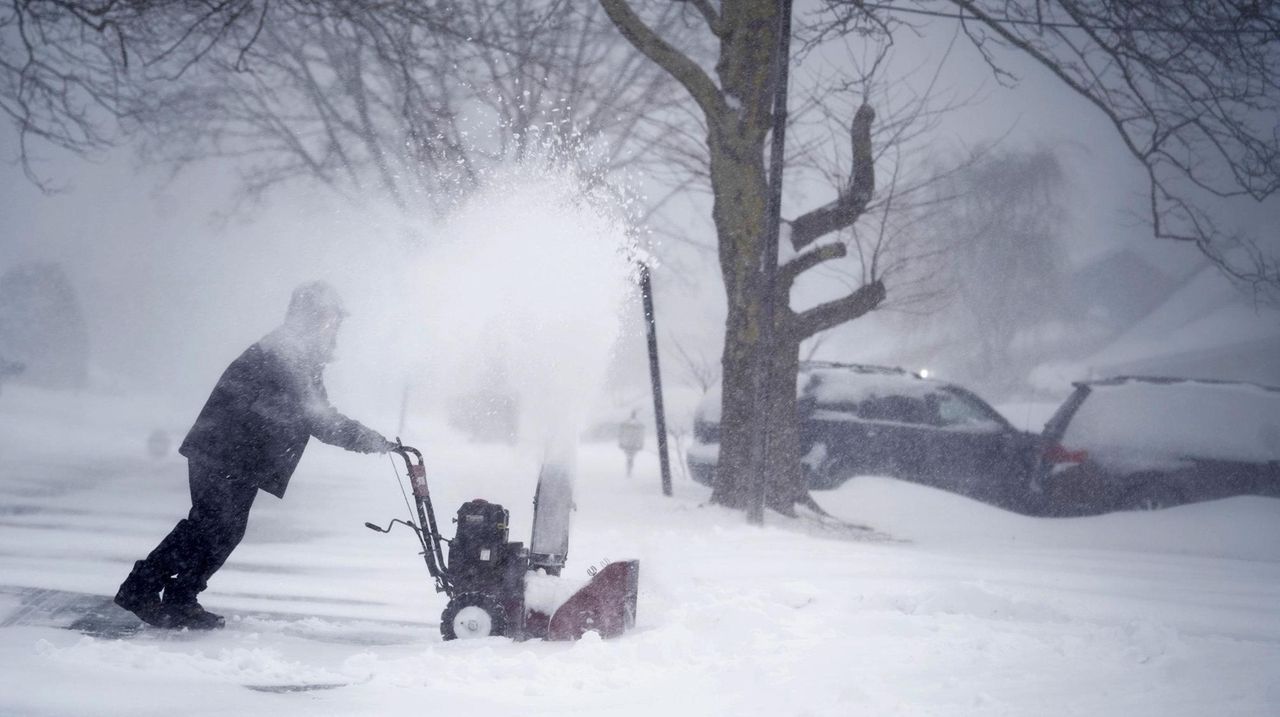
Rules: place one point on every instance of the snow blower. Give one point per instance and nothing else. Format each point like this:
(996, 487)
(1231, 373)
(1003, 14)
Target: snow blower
(498, 587)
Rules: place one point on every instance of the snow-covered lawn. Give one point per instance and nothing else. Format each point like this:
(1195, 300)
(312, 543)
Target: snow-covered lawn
(974, 612)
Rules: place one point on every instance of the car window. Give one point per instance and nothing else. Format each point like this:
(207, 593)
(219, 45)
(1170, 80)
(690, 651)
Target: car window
(957, 411)
(898, 409)
(839, 407)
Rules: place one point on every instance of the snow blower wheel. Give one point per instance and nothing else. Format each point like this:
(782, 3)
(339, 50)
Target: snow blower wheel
(472, 615)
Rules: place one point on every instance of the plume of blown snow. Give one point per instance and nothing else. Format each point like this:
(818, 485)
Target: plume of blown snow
(524, 293)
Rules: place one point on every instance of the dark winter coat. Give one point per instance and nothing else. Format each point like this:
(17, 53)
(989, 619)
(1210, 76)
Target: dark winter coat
(269, 402)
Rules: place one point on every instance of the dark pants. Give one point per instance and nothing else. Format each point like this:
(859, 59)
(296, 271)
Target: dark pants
(198, 545)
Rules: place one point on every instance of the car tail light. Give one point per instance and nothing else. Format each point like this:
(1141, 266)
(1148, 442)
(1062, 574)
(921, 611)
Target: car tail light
(1056, 454)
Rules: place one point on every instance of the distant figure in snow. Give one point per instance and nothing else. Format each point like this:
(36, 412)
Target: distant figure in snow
(250, 435)
(9, 369)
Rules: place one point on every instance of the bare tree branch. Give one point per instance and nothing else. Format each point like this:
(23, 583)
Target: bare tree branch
(1191, 89)
(701, 370)
(709, 14)
(853, 198)
(788, 272)
(847, 308)
(684, 70)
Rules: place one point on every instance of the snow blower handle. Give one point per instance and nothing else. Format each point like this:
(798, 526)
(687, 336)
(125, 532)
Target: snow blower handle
(417, 469)
(429, 532)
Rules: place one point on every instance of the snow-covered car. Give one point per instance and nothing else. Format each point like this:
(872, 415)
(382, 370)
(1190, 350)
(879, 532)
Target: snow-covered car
(874, 420)
(1145, 443)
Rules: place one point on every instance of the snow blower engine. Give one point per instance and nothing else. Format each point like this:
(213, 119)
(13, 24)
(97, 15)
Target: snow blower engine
(498, 587)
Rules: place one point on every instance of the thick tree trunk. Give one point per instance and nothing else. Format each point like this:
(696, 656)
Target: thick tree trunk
(739, 415)
(785, 481)
(738, 176)
(736, 140)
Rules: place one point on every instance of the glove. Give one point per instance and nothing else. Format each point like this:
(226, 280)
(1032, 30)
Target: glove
(374, 442)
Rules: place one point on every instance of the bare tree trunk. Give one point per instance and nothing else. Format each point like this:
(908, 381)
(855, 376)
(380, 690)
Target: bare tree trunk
(738, 176)
(738, 119)
(786, 484)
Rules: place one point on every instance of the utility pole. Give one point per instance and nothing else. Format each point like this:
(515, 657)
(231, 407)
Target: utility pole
(655, 377)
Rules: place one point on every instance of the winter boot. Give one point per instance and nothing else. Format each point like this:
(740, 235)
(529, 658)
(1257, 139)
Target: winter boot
(191, 615)
(140, 595)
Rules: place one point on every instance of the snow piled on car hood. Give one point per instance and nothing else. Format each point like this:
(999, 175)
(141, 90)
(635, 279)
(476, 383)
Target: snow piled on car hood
(837, 387)
(834, 386)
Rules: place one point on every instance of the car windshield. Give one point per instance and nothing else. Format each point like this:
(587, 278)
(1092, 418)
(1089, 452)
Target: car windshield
(960, 412)
(839, 389)
(901, 398)
(1190, 419)
(895, 398)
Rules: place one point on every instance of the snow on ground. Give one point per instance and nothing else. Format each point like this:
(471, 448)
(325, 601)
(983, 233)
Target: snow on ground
(974, 612)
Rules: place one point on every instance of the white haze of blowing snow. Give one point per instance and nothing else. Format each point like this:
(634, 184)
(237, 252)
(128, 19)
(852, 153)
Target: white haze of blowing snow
(526, 286)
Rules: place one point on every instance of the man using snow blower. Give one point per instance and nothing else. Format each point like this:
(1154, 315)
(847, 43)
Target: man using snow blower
(250, 435)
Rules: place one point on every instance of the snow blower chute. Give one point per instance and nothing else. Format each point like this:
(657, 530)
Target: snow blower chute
(498, 587)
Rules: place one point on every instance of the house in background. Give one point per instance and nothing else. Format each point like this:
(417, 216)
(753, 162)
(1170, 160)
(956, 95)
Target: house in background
(1205, 328)
(1116, 290)
(42, 327)
(1120, 313)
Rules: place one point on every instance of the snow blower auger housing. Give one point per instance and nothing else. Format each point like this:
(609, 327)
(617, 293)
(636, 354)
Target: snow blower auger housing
(486, 577)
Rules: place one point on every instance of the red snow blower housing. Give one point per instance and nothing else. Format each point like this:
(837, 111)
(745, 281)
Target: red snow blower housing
(485, 576)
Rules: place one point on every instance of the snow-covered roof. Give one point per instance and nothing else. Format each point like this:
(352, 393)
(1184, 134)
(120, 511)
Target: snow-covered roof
(1118, 287)
(1206, 312)
(1205, 329)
